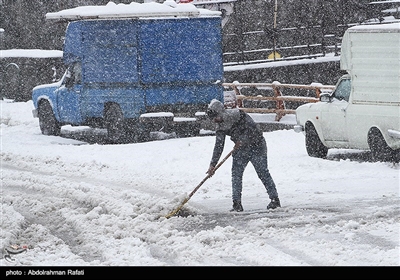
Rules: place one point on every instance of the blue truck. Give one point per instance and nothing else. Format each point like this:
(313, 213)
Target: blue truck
(134, 75)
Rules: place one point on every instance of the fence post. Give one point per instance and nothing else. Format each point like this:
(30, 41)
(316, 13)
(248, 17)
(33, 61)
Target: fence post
(280, 105)
(317, 92)
(239, 102)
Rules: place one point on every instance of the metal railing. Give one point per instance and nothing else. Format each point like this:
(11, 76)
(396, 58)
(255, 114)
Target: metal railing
(238, 98)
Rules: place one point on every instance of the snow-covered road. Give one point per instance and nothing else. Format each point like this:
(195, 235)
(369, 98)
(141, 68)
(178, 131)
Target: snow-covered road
(79, 204)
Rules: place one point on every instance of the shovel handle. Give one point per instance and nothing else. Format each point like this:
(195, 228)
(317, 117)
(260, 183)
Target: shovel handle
(172, 213)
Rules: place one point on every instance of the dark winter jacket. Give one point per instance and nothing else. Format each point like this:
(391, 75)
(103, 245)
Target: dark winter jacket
(245, 131)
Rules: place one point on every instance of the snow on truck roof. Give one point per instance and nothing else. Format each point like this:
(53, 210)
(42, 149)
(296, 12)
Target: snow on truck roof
(133, 10)
(389, 27)
(202, 2)
(384, 2)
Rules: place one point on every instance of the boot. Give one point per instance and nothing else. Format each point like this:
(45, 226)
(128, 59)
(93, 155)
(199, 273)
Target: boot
(237, 206)
(274, 203)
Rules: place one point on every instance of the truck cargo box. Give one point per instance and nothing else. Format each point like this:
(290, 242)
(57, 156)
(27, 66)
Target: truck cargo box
(371, 55)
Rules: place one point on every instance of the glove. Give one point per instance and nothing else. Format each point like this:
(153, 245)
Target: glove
(211, 170)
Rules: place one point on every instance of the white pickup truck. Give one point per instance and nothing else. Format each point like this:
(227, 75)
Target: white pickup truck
(363, 112)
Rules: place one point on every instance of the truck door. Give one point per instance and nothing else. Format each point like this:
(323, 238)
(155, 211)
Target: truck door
(69, 95)
(333, 118)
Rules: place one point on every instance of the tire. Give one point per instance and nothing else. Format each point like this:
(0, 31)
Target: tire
(314, 146)
(114, 121)
(396, 156)
(47, 121)
(380, 151)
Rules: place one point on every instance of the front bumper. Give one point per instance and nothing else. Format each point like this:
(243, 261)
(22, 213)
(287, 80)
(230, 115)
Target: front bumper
(394, 133)
(35, 113)
(298, 128)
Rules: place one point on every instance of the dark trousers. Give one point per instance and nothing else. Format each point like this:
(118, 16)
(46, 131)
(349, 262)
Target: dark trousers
(258, 157)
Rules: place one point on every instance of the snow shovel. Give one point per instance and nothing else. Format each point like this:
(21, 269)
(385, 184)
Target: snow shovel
(172, 213)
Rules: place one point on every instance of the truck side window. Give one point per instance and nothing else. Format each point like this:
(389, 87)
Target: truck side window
(342, 91)
(77, 73)
(74, 75)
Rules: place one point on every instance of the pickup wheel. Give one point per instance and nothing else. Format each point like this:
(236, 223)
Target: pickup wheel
(47, 121)
(114, 121)
(314, 146)
(380, 151)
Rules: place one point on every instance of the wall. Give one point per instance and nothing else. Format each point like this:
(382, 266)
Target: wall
(18, 75)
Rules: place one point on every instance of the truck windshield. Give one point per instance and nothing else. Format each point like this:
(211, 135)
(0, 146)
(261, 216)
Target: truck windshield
(342, 91)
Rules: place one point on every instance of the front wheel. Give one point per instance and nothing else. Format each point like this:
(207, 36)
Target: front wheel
(47, 121)
(314, 145)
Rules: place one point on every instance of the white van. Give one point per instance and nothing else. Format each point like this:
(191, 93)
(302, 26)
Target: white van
(363, 112)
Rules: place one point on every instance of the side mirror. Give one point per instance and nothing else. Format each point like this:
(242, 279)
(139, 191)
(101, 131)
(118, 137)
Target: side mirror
(68, 80)
(325, 97)
(68, 74)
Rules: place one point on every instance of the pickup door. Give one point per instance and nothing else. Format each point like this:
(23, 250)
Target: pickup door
(333, 114)
(68, 96)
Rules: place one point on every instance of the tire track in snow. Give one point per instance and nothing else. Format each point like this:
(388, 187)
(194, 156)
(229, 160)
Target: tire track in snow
(46, 209)
(322, 221)
(144, 188)
(54, 201)
(39, 186)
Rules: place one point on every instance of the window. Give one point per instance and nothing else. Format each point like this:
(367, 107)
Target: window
(342, 91)
(74, 75)
(77, 73)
